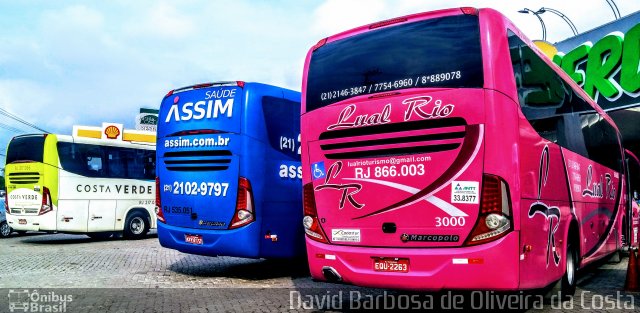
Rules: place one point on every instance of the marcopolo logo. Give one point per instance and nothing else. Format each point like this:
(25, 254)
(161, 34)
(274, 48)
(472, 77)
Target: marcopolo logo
(34, 301)
(216, 103)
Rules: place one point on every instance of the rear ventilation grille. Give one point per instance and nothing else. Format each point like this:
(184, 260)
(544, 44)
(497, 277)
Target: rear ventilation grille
(426, 136)
(24, 178)
(197, 161)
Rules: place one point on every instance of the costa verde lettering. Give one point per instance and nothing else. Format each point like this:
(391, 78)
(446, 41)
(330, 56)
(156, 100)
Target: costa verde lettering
(595, 66)
(119, 189)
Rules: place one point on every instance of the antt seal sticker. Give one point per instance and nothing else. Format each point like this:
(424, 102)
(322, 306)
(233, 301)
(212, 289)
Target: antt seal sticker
(465, 192)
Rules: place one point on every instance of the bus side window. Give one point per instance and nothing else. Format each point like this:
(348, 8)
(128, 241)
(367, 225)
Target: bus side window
(94, 164)
(116, 159)
(557, 112)
(149, 158)
(281, 117)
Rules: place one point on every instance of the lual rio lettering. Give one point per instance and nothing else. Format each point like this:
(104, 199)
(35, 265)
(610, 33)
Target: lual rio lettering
(216, 103)
(119, 189)
(596, 189)
(345, 121)
(422, 107)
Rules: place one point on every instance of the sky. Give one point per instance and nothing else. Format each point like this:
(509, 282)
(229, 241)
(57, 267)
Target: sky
(65, 63)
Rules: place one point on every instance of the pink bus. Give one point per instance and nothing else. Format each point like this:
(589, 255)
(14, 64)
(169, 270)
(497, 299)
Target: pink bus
(442, 150)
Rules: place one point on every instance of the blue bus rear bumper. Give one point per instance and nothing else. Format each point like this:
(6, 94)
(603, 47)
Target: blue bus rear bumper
(241, 242)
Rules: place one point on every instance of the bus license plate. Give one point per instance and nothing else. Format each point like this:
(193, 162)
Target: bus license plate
(193, 239)
(391, 265)
(22, 221)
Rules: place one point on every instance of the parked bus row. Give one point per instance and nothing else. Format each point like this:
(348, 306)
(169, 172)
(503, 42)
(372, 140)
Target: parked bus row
(433, 151)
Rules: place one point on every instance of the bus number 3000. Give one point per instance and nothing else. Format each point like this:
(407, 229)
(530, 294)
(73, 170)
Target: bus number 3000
(450, 221)
(200, 189)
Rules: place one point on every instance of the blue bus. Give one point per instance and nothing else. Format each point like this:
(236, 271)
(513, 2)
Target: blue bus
(229, 173)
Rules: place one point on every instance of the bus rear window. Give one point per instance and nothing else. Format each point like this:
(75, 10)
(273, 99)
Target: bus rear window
(28, 148)
(439, 52)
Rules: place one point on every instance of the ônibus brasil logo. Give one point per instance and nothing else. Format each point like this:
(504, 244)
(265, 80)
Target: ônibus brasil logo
(34, 301)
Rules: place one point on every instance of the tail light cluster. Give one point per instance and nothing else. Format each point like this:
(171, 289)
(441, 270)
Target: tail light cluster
(47, 205)
(159, 213)
(494, 220)
(310, 221)
(6, 202)
(244, 213)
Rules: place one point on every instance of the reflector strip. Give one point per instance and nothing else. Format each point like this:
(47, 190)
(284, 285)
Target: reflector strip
(468, 261)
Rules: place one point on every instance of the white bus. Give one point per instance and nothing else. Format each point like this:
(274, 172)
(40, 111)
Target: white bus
(75, 184)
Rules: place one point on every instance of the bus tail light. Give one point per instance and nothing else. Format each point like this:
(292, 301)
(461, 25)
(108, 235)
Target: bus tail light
(46, 201)
(320, 43)
(388, 22)
(6, 202)
(494, 220)
(469, 10)
(159, 213)
(244, 205)
(310, 221)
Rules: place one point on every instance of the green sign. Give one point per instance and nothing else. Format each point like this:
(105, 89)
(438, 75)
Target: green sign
(608, 68)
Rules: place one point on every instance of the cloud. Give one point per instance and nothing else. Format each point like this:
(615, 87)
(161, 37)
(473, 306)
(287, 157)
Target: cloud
(164, 21)
(334, 16)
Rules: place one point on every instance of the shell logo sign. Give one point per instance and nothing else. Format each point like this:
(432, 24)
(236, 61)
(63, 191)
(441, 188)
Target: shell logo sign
(112, 132)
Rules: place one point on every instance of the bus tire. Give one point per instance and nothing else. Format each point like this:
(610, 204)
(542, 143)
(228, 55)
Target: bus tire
(570, 277)
(136, 225)
(5, 229)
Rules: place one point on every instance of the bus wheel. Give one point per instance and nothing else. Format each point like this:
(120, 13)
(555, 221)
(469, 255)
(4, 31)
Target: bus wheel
(568, 284)
(136, 226)
(5, 229)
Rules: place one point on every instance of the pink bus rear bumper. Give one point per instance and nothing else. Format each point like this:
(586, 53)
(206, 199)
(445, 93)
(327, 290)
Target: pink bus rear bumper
(491, 266)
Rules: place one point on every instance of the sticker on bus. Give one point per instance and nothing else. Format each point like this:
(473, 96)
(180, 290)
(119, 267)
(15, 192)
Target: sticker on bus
(317, 170)
(345, 235)
(465, 192)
